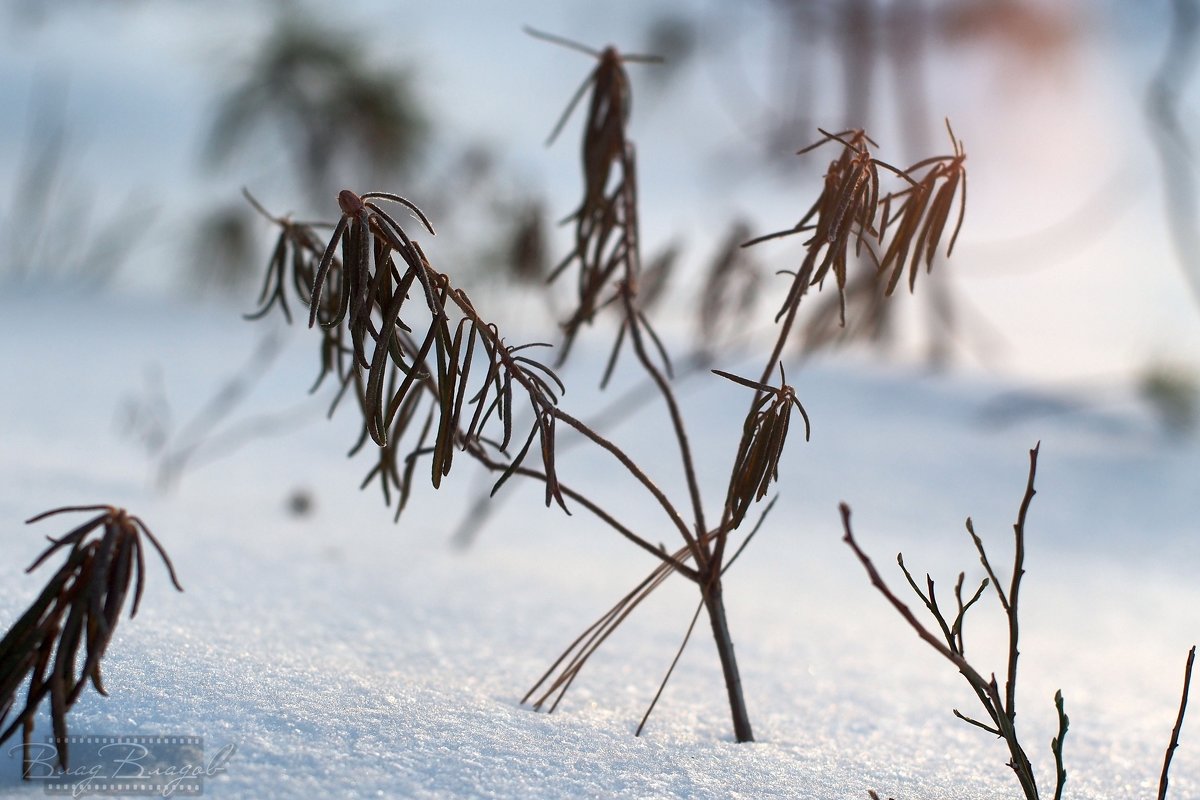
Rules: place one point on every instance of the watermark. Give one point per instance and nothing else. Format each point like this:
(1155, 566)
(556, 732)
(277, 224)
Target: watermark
(146, 766)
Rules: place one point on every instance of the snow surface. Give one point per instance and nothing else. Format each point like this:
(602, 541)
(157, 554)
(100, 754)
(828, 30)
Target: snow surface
(348, 657)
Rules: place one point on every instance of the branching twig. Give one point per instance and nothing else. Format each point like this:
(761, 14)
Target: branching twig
(1001, 711)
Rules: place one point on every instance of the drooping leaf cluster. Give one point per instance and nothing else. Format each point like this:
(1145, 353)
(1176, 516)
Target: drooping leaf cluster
(73, 618)
(925, 207)
(430, 377)
(606, 245)
(894, 230)
(764, 434)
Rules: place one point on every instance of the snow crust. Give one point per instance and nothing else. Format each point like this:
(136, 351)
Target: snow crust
(345, 656)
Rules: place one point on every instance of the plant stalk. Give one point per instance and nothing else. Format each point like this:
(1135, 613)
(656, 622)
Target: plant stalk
(715, 603)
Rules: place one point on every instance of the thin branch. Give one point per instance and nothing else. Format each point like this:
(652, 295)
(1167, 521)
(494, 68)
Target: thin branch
(873, 574)
(1010, 686)
(1056, 746)
(1187, 682)
(683, 645)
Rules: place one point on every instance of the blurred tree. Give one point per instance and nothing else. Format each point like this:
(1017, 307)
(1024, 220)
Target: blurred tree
(673, 37)
(330, 106)
(1171, 392)
(48, 189)
(225, 255)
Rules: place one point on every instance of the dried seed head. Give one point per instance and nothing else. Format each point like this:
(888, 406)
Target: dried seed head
(350, 203)
(764, 434)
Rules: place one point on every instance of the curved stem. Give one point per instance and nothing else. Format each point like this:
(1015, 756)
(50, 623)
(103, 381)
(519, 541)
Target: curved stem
(632, 251)
(612, 522)
(685, 451)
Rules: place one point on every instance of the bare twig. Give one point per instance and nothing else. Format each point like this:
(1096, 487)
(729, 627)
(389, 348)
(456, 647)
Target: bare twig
(1001, 711)
(1183, 700)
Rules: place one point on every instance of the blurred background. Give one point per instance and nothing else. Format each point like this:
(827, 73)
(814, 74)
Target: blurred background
(131, 128)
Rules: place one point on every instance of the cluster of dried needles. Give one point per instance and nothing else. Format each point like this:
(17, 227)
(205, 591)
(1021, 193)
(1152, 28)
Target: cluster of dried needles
(73, 619)
(853, 220)
(606, 222)
(430, 376)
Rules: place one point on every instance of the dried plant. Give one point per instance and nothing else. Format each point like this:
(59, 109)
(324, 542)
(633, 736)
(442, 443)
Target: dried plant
(421, 394)
(1174, 743)
(606, 221)
(362, 296)
(764, 434)
(845, 211)
(80, 605)
(1001, 707)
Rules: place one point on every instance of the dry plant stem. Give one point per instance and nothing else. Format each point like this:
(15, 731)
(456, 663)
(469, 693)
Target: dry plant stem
(1010, 608)
(608, 156)
(670, 670)
(1187, 682)
(615, 412)
(985, 688)
(1056, 746)
(579, 651)
(492, 465)
(667, 559)
(633, 318)
(708, 563)
(714, 602)
(685, 452)
(632, 468)
(696, 616)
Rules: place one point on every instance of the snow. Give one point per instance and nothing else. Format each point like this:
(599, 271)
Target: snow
(345, 656)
